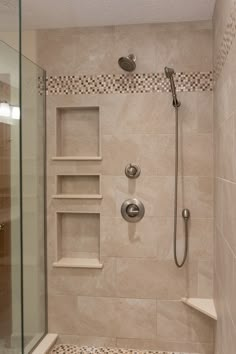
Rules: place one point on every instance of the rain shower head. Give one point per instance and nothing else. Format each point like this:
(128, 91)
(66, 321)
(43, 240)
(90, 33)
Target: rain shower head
(128, 63)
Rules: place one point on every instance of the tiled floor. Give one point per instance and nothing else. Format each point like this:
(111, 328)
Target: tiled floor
(74, 349)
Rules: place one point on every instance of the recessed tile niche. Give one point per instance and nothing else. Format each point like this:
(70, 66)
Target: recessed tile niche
(78, 133)
(78, 240)
(78, 186)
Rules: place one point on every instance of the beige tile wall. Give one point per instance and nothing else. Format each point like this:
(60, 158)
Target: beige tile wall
(134, 301)
(225, 179)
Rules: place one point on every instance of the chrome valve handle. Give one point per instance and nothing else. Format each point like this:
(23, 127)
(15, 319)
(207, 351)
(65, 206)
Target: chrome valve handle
(132, 170)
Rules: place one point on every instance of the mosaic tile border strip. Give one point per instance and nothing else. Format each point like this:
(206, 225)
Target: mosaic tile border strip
(126, 83)
(226, 44)
(74, 349)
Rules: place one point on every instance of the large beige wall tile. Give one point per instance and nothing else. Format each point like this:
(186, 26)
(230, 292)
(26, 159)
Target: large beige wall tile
(196, 193)
(206, 348)
(225, 270)
(96, 50)
(200, 238)
(68, 339)
(222, 12)
(158, 203)
(156, 153)
(194, 157)
(56, 46)
(218, 202)
(78, 132)
(139, 41)
(226, 332)
(205, 278)
(196, 112)
(108, 191)
(219, 305)
(69, 184)
(139, 315)
(97, 341)
(70, 49)
(225, 87)
(87, 341)
(88, 282)
(153, 113)
(225, 150)
(153, 237)
(177, 49)
(229, 214)
(202, 328)
(122, 239)
(136, 148)
(96, 316)
(139, 113)
(234, 162)
(61, 314)
(174, 320)
(79, 234)
(136, 318)
(141, 278)
(233, 307)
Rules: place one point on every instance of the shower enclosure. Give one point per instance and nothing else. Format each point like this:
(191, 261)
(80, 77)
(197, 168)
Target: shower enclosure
(22, 188)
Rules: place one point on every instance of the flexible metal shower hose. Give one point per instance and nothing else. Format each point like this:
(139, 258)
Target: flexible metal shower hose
(179, 264)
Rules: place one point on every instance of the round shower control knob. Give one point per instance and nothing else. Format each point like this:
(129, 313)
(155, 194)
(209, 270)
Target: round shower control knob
(132, 210)
(132, 171)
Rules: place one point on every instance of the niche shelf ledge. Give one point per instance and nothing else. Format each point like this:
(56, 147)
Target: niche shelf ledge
(205, 306)
(77, 196)
(78, 263)
(77, 158)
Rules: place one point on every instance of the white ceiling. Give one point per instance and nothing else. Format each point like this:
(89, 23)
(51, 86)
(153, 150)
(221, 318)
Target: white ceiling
(78, 13)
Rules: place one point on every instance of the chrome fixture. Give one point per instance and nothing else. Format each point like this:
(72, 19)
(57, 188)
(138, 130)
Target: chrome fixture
(132, 171)
(170, 75)
(128, 63)
(132, 210)
(185, 213)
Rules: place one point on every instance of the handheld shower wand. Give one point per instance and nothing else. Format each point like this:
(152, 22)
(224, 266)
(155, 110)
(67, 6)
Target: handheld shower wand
(186, 213)
(170, 75)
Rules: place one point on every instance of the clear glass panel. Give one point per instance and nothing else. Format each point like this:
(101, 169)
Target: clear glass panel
(33, 173)
(10, 203)
(22, 169)
(10, 224)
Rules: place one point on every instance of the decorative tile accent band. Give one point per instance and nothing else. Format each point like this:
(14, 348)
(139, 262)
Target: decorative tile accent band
(74, 349)
(126, 83)
(226, 44)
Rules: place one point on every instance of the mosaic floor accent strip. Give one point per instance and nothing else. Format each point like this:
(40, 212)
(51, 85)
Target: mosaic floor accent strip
(74, 349)
(126, 83)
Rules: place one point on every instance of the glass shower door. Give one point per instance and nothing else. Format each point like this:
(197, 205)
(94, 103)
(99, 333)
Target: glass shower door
(22, 204)
(10, 203)
(22, 191)
(33, 203)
